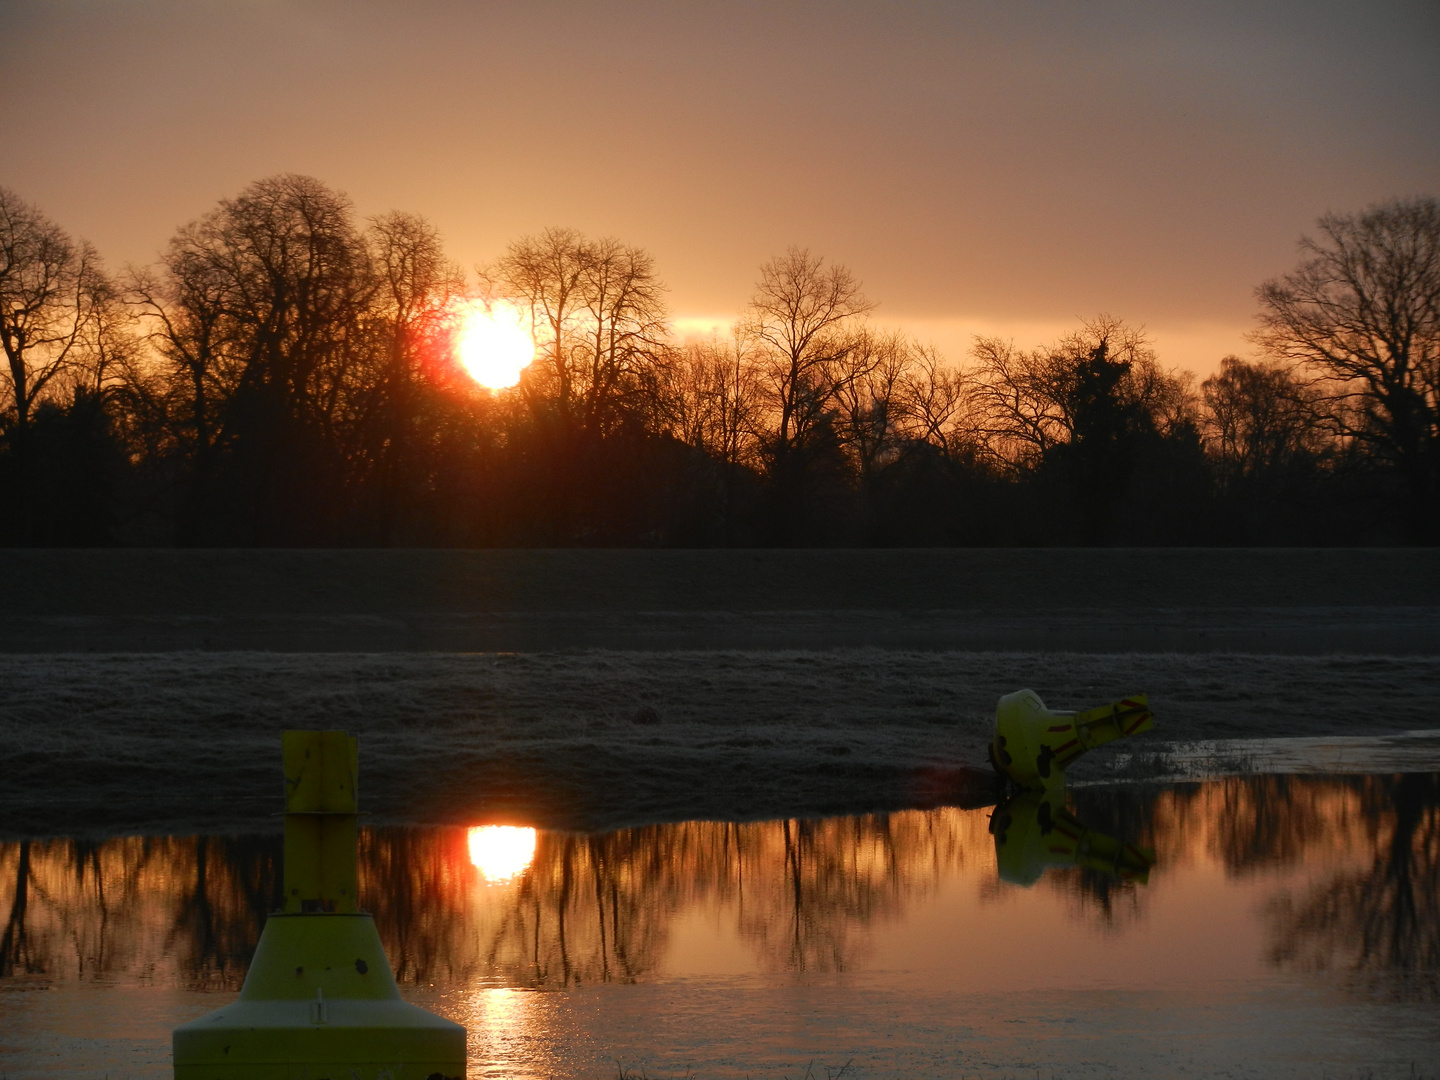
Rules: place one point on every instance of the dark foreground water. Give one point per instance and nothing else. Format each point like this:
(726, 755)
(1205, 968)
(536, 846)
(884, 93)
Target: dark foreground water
(1289, 927)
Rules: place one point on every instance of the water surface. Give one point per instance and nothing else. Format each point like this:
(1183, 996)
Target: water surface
(1290, 926)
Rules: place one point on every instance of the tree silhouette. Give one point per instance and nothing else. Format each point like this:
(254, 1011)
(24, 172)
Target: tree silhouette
(287, 374)
(54, 330)
(1080, 416)
(802, 320)
(1361, 314)
(1381, 922)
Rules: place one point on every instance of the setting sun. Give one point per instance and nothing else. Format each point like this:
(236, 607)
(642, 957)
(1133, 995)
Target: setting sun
(501, 852)
(495, 346)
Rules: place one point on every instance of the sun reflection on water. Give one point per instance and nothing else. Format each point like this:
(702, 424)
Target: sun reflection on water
(502, 852)
(510, 1036)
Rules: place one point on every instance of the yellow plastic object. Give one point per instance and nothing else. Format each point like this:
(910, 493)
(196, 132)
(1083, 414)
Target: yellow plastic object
(319, 1001)
(1034, 831)
(1033, 745)
(322, 803)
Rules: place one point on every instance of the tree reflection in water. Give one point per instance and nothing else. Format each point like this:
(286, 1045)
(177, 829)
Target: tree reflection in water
(800, 894)
(600, 908)
(1381, 921)
(185, 910)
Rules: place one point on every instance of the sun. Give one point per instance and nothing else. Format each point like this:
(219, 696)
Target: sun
(494, 344)
(501, 852)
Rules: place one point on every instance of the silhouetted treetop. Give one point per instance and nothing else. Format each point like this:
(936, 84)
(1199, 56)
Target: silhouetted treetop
(287, 374)
(1361, 314)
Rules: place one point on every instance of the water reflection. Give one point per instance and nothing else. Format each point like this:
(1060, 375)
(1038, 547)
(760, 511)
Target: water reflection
(183, 910)
(798, 896)
(600, 908)
(1381, 919)
(1035, 832)
(501, 852)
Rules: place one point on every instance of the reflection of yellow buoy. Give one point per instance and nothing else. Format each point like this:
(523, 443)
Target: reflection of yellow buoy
(319, 999)
(1034, 831)
(1033, 744)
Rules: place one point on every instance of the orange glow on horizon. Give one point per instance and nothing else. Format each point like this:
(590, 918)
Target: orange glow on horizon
(502, 852)
(494, 344)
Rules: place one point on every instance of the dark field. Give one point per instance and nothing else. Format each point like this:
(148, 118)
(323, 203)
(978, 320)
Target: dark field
(144, 690)
(1291, 601)
(106, 744)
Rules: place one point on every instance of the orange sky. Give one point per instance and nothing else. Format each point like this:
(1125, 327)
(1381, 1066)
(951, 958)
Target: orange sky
(983, 167)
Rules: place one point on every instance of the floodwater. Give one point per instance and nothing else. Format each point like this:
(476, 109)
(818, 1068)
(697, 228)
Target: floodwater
(1288, 927)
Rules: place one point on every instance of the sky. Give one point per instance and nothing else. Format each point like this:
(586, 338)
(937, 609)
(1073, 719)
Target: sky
(1005, 168)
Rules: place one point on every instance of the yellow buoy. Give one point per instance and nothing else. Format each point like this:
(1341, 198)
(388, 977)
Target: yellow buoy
(319, 1001)
(1033, 745)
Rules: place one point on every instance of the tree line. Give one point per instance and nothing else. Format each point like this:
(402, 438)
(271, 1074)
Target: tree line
(287, 374)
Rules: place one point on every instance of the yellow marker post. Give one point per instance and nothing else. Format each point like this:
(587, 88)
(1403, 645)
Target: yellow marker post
(322, 805)
(1033, 745)
(319, 1001)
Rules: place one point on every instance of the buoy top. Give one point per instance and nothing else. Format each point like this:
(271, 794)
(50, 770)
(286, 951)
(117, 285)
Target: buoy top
(321, 807)
(322, 772)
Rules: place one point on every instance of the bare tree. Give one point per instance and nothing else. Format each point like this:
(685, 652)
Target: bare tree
(51, 291)
(542, 274)
(185, 310)
(714, 398)
(259, 317)
(417, 282)
(412, 318)
(262, 299)
(1361, 314)
(1258, 420)
(801, 319)
(62, 331)
(935, 404)
(627, 329)
(1082, 412)
(1093, 385)
(597, 311)
(298, 281)
(867, 385)
(108, 347)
